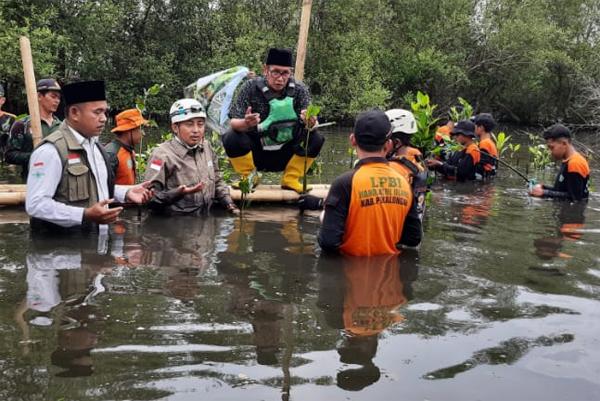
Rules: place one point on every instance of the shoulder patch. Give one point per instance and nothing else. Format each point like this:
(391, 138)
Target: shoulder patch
(156, 164)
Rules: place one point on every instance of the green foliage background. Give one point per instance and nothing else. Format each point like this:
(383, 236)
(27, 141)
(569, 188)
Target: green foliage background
(526, 60)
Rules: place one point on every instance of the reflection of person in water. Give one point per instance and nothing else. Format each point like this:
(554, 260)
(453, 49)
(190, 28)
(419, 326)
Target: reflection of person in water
(362, 299)
(62, 280)
(182, 248)
(266, 277)
(570, 220)
(478, 206)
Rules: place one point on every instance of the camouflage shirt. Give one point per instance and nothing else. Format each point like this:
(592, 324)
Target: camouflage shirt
(20, 142)
(6, 121)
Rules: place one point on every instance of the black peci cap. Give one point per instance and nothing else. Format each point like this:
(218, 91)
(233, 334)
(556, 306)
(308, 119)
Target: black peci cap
(84, 91)
(282, 57)
(372, 127)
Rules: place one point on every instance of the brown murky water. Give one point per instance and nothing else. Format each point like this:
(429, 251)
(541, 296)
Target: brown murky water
(501, 302)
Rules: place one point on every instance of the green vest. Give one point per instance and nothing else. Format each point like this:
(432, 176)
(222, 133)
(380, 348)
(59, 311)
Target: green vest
(77, 185)
(278, 128)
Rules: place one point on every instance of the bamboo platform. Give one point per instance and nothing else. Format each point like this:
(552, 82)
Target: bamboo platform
(14, 194)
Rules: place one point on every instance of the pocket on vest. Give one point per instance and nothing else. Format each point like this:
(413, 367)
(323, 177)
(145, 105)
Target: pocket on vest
(78, 182)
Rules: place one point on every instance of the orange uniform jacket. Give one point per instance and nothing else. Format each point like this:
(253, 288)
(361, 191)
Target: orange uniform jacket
(488, 164)
(122, 162)
(572, 180)
(462, 166)
(370, 210)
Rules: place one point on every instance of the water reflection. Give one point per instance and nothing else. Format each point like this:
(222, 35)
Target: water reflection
(63, 277)
(362, 297)
(569, 223)
(265, 284)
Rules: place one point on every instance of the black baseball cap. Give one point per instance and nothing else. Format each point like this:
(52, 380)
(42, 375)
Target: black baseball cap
(47, 84)
(557, 131)
(464, 127)
(372, 127)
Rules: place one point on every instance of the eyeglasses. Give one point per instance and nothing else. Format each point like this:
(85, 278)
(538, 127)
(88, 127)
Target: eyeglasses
(278, 74)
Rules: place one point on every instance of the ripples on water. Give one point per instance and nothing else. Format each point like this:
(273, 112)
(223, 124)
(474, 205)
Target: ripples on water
(501, 302)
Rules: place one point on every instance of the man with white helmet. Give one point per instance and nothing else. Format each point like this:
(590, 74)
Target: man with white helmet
(405, 158)
(184, 171)
(410, 159)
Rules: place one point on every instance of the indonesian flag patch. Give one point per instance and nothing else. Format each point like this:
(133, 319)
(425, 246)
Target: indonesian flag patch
(38, 164)
(156, 164)
(74, 158)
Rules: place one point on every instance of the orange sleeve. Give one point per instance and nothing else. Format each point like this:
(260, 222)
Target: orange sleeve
(578, 164)
(488, 146)
(473, 150)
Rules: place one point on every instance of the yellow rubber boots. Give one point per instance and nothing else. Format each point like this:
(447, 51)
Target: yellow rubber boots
(244, 166)
(294, 171)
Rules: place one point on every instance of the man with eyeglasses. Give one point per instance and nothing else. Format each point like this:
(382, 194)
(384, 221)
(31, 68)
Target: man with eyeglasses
(267, 121)
(121, 150)
(184, 171)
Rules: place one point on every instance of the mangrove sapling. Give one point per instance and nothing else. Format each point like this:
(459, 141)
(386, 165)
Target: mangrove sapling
(423, 110)
(312, 112)
(539, 153)
(462, 112)
(503, 144)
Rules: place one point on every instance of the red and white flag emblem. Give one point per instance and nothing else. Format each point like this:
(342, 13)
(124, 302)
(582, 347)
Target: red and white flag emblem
(74, 158)
(156, 164)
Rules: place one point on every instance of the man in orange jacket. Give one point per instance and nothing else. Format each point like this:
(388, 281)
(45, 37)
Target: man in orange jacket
(371, 209)
(462, 166)
(484, 124)
(121, 149)
(572, 180)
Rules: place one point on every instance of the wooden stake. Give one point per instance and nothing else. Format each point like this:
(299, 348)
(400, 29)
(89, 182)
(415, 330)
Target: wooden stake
(30, 87)
(302, 39)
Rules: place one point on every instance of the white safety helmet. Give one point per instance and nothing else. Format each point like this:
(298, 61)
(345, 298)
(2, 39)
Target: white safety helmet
(402, 121)
(186, 109)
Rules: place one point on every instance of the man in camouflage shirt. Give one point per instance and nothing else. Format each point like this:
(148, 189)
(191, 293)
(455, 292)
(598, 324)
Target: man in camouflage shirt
(20, 143)
(6, 121)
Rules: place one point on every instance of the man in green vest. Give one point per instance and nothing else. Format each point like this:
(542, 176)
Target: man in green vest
(70, 187)
(267, 120)
(20, 143)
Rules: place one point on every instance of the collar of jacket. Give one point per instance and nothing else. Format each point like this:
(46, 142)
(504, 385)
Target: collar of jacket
(368, 160)
(181, 149)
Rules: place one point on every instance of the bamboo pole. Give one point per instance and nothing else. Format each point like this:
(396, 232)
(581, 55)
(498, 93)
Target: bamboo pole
(14, 194)
(30, 87)
(302, 39)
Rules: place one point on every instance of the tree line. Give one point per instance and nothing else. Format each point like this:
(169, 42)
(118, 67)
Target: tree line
(528, 61)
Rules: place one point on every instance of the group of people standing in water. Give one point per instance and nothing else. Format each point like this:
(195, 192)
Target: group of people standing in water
(74, 183)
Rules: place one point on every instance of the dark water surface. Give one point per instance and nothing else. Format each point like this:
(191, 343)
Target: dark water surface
(502, 302)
